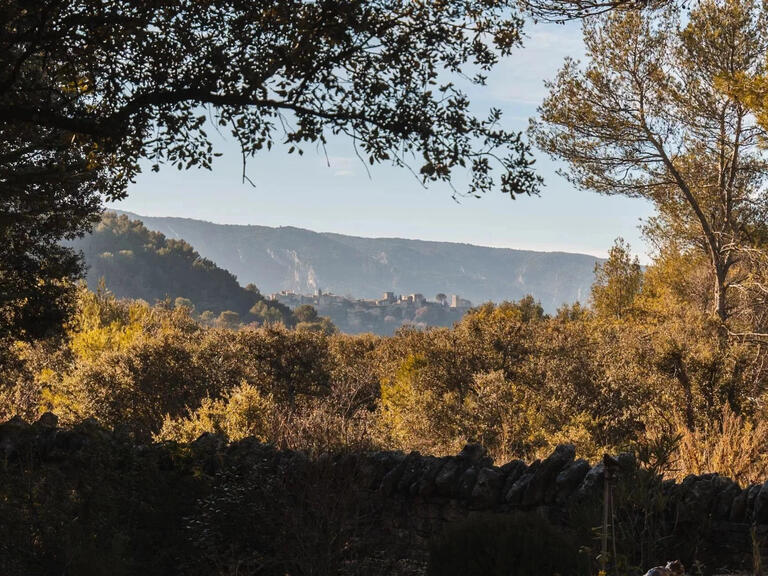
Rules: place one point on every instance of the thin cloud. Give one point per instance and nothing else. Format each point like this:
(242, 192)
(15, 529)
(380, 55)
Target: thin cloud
(342, 166)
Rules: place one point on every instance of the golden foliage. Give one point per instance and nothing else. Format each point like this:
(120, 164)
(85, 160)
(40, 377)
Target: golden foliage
(508, 376)
(732, 446)
(243, 412)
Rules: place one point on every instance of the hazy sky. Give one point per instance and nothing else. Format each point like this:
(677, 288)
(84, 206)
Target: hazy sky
(307, 193)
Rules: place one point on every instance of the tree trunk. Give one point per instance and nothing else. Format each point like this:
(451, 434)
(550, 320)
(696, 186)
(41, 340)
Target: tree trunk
(721, 303)
(685, 383)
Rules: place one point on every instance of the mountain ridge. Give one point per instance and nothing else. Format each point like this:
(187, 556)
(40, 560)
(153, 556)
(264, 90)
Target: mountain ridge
(302, 260)
(136, 216)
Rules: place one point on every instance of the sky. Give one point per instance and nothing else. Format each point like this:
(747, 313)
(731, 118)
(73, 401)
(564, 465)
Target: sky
(346, 196)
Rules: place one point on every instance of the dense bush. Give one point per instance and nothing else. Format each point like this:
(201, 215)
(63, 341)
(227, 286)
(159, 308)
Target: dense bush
(650, 373)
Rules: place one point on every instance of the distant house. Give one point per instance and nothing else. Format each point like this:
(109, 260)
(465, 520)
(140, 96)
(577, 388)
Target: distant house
(458, 302)
(418, 299)
(290, 299)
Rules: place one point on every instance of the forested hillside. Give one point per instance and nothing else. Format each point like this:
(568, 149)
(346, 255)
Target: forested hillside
(135, 262)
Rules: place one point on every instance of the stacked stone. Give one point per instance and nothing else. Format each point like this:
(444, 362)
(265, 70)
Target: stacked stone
(723, 516)
(469, 477)
(472, 478)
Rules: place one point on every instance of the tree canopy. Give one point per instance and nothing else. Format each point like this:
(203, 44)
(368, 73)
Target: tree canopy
(141, 79)
(564, 10)
(617, 282)
(89, 89)
(647, 116)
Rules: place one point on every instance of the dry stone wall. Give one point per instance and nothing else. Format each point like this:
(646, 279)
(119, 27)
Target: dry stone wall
(412, 498)
(707, 520)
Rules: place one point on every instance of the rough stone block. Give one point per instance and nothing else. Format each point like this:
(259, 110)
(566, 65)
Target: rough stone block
(390, 481)
(467, 483)
(487, 490)
(568, 480)
(546, 473)
(447, 478)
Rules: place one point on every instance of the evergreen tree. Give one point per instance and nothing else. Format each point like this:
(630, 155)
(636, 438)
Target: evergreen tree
(618, 282)
(648, 117)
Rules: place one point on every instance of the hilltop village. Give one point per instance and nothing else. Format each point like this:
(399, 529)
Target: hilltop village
(381, 315)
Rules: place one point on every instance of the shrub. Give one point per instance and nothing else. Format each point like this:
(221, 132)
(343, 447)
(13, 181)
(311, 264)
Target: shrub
(733, 447)
(244, 412)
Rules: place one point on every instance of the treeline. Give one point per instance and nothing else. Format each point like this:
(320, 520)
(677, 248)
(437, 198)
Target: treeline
(642, 368)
